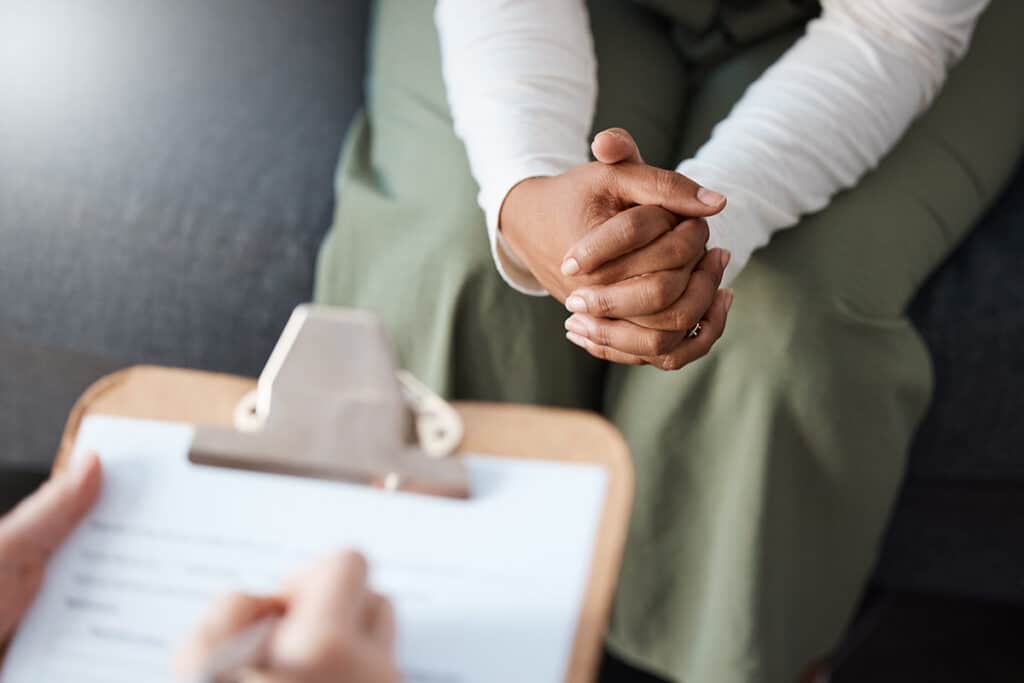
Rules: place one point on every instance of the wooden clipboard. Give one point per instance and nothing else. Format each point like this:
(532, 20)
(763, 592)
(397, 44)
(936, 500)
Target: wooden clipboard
(176, 395)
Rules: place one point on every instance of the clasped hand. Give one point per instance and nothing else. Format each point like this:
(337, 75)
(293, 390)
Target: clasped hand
(623, 245)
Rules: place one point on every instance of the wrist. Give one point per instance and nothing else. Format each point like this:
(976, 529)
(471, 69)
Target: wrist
(514, 219)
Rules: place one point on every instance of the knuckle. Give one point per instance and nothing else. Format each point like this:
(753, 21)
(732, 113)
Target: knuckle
(654, 343)
(679, 249)
(665, 342)
(603, 303)
(647, 294)
(629, 227)
(584, 252)
(681, 320)
(668, 182)
(600, 335)
(657, 293)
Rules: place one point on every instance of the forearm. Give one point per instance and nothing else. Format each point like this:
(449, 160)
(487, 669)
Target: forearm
(522, 86)
(827, 112)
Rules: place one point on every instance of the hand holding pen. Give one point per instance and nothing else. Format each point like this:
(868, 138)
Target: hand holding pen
(325, 626)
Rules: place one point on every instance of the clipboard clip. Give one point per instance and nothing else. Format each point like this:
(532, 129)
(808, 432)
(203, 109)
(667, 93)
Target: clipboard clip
(332, 404)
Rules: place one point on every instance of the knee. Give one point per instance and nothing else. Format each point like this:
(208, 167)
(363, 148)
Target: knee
(792, 336)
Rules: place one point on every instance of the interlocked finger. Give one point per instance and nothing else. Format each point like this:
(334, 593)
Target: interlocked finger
(621, 234)
(689, 308)
(643, 296)
(680, 247)
(696, 347)
(685, 352)
(624, 336)
(604, 352)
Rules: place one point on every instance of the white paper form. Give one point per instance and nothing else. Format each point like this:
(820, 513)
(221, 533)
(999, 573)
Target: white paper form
(486, 590)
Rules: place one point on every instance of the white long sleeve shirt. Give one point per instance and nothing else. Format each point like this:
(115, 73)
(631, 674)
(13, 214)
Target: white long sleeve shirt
(522, 84)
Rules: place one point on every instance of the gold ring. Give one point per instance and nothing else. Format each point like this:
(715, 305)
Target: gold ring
(694, 331)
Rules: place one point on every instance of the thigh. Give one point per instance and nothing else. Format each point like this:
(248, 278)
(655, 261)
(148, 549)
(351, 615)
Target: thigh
(874, 245)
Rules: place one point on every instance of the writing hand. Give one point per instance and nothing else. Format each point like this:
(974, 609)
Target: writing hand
(332, 628)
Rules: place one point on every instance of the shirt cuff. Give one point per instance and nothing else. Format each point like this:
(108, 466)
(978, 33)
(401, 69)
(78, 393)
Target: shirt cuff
(719, 238)
(740, 226)
(492, 198)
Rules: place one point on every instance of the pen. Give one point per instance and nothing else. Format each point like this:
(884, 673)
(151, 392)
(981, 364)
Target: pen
(246, 647)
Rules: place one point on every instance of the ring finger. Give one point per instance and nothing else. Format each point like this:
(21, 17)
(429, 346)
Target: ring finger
(687, 310)
(623, 335)
(687, 351)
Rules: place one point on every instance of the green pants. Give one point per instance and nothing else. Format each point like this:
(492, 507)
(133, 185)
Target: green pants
(766, 471)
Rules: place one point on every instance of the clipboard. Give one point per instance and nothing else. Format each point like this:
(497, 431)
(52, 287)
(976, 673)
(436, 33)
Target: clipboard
(518, 431)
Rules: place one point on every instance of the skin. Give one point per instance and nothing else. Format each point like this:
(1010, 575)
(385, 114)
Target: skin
(32, 532)
(332, 626)
(606, 239)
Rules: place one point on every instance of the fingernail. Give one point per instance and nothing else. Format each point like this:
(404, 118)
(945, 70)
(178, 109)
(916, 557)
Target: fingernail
(575, 339)
(725, 258)
(570, 266)
(576, 304)
(574, 324)
(710, 197)
(728, 299)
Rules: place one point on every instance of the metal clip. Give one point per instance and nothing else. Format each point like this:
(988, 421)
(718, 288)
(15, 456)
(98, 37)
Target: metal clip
(331, 403)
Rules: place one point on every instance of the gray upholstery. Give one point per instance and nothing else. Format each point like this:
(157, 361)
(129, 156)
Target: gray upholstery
(972, 316)
(958, 523)
(165, 179)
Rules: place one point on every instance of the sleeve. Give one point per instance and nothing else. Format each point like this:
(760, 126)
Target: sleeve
(521, 79)
(827, 112)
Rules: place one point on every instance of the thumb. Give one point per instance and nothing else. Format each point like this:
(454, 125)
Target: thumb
(672, 191)
(43, 520)
(614, 145)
